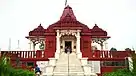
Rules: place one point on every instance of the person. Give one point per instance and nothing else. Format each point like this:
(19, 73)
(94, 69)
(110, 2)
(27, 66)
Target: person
(37, 69)
(66, 49)
(69, 50)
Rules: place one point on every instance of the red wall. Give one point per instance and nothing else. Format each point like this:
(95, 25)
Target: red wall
(50, 46)
(110, 68)
(85, 46)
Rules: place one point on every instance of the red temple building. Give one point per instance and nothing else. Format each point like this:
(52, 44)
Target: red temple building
(67, 48)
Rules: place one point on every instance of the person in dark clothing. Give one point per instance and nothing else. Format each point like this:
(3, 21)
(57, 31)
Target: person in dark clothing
(66, 49)
(37, 69)
(69, 50)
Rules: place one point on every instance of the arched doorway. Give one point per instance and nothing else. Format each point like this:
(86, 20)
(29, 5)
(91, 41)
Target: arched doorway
(68, 41)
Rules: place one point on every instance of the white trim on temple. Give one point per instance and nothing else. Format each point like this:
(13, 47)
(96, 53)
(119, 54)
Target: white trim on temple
(75, 33)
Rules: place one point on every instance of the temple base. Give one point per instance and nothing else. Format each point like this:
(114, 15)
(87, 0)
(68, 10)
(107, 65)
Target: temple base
(79, 55)
(57, 55)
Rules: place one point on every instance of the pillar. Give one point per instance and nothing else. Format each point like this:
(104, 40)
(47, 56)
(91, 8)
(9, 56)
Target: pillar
(58, 45)
(106, 45)
(34, 46)
(79, 55)
(101, 46)
(30, 45)
(78, 44)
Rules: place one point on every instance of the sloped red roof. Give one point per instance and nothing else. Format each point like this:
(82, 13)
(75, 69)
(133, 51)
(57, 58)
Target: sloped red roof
(39, 31)
(68, 13)
(67, 21)
(96, 31)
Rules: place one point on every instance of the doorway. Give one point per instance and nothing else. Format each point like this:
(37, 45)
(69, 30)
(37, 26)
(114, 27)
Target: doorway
(68, 45)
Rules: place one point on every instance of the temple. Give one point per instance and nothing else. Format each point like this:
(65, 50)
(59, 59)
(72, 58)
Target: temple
(69, 47)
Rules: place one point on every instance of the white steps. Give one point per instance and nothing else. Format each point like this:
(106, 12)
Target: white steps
(68, 63)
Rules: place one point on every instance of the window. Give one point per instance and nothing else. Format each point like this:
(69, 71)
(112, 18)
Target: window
(113, 63)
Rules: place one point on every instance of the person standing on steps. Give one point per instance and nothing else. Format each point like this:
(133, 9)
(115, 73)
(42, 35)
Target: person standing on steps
(37, 70)
(69, 50)
(66, 49)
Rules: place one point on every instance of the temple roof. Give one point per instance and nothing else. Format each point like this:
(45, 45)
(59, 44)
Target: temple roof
(68, 13)
(39, 31)
(96, 31)
(68, 21)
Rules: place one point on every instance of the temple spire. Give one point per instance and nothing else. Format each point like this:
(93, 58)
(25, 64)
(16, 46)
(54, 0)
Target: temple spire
(68, 12)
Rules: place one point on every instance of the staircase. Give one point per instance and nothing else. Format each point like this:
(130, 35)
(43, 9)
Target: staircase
(68, 64)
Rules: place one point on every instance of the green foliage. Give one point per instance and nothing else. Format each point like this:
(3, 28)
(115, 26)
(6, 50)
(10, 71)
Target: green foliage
(120, 72)
(128, 49)
(113, 49)
(134, 63)
(17, 72)
(42, 46)
(7, 70)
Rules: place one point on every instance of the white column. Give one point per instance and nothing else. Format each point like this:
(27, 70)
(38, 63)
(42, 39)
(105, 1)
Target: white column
(58, 42)
(58, 45)
(106, 45)
(79, 55)
(30, 45)
(78, 44)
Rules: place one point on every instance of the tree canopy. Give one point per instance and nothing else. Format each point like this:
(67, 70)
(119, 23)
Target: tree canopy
(113, 49)
(7, 70)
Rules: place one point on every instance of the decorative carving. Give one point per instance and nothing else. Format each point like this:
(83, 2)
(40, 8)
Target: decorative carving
(74, 47)
(68, 32)
(100, 41)
(61, 47)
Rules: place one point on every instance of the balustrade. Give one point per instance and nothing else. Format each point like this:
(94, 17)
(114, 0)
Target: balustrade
(111, 54)
(42, 54)
(24, 54)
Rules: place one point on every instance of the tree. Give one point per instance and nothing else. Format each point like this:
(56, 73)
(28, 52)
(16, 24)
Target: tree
(42, 46)
(113, 49)
(120, 72)
(7, 70)
(127, 49)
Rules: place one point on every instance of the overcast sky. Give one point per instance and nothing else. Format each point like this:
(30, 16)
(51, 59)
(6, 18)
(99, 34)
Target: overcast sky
(117, 17)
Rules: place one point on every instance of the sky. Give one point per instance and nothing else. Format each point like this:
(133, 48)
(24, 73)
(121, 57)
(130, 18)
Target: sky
(18, 17)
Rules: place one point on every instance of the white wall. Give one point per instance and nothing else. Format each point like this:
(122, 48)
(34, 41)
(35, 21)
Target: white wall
(96, 65)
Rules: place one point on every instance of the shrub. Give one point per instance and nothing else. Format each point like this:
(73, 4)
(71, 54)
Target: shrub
(7, 70)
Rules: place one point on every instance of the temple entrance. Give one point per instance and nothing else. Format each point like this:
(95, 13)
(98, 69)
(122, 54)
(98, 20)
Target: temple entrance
(68, 47)
(67, 42)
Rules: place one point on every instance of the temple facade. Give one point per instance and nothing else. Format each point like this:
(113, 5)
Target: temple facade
(68, 47)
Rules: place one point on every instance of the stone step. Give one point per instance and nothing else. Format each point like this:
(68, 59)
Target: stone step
(70, 61)
(69, 73)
